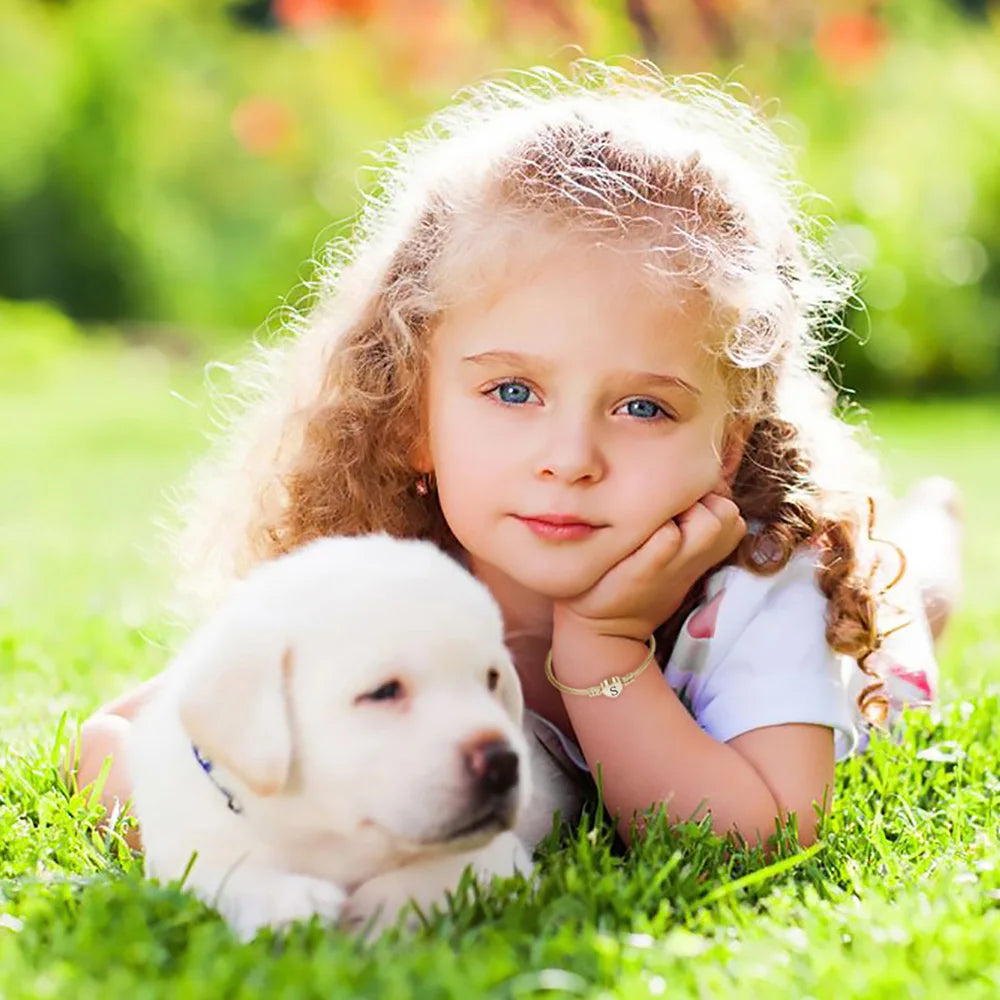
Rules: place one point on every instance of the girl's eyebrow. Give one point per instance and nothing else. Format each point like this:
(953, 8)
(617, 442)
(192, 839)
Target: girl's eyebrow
(667, 381)
(515, 360)
(509, 358)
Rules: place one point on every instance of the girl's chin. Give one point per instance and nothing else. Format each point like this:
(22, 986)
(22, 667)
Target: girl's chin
(554, 576)
(548, 582)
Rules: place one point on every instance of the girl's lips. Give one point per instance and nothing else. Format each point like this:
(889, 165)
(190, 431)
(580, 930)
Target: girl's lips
(558, 528)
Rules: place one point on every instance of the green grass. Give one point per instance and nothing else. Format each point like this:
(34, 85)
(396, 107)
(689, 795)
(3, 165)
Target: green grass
(902, 896)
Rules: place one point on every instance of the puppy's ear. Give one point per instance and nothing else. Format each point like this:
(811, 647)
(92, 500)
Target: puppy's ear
(234, 706)
(513, 697)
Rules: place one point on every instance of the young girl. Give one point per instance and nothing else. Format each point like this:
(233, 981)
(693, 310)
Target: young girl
(575, 341)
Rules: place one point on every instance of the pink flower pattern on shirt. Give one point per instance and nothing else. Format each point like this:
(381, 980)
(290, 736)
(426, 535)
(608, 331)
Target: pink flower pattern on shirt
(915, 679)
(701, 624)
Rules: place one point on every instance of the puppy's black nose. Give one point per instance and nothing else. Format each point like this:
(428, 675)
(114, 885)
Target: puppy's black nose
(493, 766)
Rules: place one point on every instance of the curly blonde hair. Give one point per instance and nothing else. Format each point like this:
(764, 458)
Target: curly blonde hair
(328, 418)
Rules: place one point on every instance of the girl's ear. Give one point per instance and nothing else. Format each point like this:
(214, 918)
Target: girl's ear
(420, 456)
(733, 445)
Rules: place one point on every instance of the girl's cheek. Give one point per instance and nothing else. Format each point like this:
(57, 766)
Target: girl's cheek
(707, 474)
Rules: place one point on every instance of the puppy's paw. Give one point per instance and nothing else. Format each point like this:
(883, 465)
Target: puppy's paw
(377, 904)
(278, 899)
(503, 856)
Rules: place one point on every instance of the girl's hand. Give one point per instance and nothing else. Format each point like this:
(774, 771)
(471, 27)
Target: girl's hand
(645, 588)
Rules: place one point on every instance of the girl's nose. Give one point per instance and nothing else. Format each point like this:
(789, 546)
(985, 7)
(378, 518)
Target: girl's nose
(571, 454)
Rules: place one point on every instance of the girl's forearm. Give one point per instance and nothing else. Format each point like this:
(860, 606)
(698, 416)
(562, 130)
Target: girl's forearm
(128, 704)
(665, 757)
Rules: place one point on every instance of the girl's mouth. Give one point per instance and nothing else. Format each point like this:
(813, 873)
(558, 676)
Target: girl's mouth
(558, 527)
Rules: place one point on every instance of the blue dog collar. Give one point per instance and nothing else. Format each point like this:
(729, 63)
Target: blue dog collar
(206, 765)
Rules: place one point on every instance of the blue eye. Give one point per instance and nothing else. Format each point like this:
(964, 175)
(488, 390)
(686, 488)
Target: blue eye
(512, 392)
(645, 409)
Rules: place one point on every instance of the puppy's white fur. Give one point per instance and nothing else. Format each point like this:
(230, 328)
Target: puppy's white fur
(352, 804)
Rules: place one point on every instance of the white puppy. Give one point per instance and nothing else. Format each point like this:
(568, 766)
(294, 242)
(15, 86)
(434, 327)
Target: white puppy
(342, 737)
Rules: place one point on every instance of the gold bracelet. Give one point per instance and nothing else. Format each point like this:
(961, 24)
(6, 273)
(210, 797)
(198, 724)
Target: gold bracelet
(610, 687)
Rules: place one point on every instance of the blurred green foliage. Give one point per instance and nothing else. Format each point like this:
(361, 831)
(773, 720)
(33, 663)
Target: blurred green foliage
(910, 158)
(177, 163)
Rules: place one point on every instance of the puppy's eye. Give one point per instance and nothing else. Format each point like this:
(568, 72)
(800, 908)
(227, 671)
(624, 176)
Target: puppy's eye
(493, 678)
(389, 691)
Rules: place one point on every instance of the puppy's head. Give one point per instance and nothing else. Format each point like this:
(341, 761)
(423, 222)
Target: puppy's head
(360, 687)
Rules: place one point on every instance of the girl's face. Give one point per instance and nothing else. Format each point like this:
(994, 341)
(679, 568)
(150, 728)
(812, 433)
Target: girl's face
(569, 416)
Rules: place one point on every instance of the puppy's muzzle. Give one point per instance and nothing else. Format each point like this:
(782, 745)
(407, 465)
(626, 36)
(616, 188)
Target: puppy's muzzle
(493, 766)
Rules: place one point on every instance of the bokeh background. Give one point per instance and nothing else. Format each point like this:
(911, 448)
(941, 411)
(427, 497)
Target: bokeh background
(169, 169)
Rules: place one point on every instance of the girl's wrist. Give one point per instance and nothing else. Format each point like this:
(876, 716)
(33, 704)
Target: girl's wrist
(583, 656)
(576, 627)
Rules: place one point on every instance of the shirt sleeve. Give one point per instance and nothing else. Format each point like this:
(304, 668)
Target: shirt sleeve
(760, 657)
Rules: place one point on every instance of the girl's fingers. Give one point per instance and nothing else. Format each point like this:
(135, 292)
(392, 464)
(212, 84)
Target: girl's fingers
(701, 530)
(710, 528)
(722, 506)
(692, 542)
(729, 516)
(664, 544)
(648, 584)
(658, 550)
